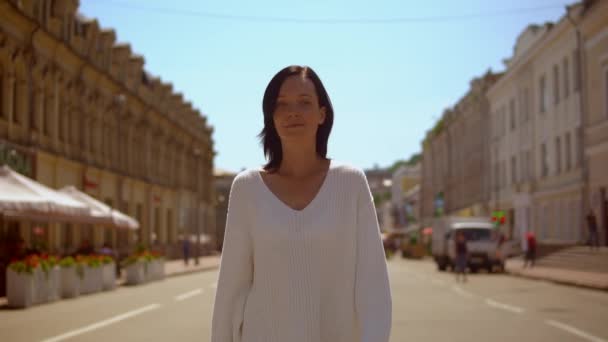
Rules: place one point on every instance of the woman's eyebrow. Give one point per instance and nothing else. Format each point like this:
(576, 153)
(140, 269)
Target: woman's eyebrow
(301, 95)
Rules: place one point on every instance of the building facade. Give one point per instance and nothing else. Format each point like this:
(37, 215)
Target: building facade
(593, 29)
(547, 144)
(82, 110)
(455, 158)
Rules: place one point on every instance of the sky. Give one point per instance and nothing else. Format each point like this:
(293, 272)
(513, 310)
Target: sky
(391, 67)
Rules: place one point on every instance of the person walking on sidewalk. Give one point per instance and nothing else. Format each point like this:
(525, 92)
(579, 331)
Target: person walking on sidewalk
(462, 253)
(186, 249)
(530, 256)
(594, 239)
(302, 257)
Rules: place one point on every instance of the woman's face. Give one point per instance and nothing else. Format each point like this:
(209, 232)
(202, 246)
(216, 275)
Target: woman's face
(297, 113)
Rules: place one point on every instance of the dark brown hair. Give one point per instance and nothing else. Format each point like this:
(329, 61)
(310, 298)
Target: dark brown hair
(269, 138)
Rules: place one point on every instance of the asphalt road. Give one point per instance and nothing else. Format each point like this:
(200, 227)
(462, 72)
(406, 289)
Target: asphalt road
(428, 306)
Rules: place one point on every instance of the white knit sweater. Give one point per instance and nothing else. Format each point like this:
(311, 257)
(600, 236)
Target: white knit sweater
(314, 275)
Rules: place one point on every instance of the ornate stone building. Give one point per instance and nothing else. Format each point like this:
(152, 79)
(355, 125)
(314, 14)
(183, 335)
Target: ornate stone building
(80, 109)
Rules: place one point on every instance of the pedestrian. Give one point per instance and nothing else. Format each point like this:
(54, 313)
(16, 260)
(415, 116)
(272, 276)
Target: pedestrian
(303, 257)
(500, 253)
(594, 239)
(530, 257)
(186, 249)
(461, 256)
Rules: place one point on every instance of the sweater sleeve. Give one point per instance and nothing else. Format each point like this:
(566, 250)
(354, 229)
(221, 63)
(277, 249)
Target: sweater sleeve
(236, 268)
(373, 302)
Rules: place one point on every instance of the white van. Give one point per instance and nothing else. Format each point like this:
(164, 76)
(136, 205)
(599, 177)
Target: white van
(481, 244)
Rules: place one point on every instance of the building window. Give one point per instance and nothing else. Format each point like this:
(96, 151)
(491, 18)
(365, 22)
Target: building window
(1, 93)
(568, 148)
(558, 155)
(543, 94)
(544, 161)
(576, 69)
(512, 114)
(606, 91)
(16, 104)
(555, 84)
(526, 106)
(513, 169)
(578, 146)
(566, 73)
(496, 176)
(528, 165)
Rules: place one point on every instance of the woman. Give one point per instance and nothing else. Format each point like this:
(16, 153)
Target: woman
(302, 258)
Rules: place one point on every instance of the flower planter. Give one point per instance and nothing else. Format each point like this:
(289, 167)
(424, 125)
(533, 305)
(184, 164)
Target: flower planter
(41, 286)
(136, 273)
(156, 270)
(70, 282)
(92, 281)
(53, 284)
(19, 289)
(109, 276)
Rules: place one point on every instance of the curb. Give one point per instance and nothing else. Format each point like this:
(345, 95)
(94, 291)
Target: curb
(572, 283)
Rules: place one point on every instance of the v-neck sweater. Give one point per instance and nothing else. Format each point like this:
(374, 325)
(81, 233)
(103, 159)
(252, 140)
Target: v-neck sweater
(313, 275)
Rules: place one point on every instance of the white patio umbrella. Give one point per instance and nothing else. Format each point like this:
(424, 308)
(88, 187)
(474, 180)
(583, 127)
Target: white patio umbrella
(114, 217)
(22, 197)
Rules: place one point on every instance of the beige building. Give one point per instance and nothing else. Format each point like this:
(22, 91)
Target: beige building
(537, 159)
(517, 129)
(77, 108)
(593, 28)
(455, 158)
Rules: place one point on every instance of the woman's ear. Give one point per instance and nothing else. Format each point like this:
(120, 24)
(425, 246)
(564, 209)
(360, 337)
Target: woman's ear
(323, 112)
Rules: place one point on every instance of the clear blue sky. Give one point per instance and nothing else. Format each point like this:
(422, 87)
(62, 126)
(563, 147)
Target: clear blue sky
(388, 81)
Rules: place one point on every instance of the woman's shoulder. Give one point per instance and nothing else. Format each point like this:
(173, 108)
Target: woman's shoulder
(245, 177)
(349, 172)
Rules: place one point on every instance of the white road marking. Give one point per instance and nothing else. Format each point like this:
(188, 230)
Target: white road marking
(574, 331)
(102, 324)
(506, 307)
(462, 292)
(188, 294)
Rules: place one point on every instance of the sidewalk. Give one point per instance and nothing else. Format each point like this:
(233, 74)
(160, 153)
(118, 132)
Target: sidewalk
(593, 280)
(177, 267)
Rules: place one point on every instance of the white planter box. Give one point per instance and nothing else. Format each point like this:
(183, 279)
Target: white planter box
(41, 286)
(93, 280)
(160, 269)
(70, 282)
(19, 289)
(53, 284)
(109, 276)
(136, 273)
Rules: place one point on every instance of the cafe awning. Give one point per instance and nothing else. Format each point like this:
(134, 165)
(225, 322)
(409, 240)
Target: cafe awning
(24, 198)
(112, 216)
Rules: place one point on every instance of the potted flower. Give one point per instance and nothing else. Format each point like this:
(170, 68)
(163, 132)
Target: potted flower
(20, 282)
(136, 269)
(158, 266)
(72, 274)
(47, 279)
(93, 274)
(109, 272)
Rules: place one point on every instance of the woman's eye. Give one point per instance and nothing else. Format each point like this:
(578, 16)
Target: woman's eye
(305, 102)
